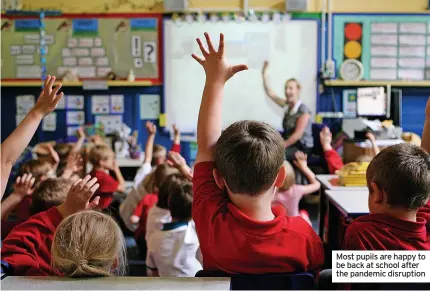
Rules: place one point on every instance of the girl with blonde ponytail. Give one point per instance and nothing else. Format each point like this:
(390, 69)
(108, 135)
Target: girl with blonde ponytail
(89, 244)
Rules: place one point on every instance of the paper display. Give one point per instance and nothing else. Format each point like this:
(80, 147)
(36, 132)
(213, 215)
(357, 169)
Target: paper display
(26, 72)
(49, 39)
(75, 102)
(86, 42)
(98, 52)
(70, 61)
(381, 74)
(413, 27)
(383, 62)
(28, 49)
(31, 38)
(411, 74)
(384, 39)
(428, 74)
(98, 41)
(66, 52)
(412, 51)
(24, 103)
(86, 72)
(72, 42)
(100, 105)
(80, 52)
(49, 123)
(75, 117)
(412, 39)
(15, 50)
(102, 61)
(411, 63)
(136, 46)
(349, 103)
(62, 103)
(85, 61)
(149, 52)
(149, 106)
(384, 51)
(24, 60)
(103, 71)
(384, 27)
(111, 123)
(117, 103)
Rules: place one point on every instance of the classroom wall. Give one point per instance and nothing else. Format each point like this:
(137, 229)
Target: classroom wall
(76, 6)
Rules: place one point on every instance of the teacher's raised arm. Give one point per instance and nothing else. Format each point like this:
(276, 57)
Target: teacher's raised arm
(297, 123)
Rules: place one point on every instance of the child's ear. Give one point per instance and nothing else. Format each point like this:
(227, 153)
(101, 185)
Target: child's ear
(280, 178)
(219, 180)
(377, 195)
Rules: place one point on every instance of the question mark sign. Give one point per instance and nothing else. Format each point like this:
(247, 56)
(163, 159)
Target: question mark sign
(149, 50)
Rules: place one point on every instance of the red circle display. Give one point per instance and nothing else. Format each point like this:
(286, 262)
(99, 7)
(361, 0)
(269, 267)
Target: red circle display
(353, 31)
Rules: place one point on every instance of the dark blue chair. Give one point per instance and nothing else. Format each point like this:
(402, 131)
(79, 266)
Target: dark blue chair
(316, 159)
(287, 281)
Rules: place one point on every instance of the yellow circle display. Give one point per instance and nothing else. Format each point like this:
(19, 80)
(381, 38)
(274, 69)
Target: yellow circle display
(352, 49)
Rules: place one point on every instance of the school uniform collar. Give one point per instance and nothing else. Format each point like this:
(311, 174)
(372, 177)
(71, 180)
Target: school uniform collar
(295, 107)
(414, 228)
(256, 227)
(173, 225)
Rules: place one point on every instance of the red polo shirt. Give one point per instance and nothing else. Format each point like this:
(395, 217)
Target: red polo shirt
(385, 232)
(334, 161)
(108, 185)
(27, 248)
(235, 243)
(142, 211)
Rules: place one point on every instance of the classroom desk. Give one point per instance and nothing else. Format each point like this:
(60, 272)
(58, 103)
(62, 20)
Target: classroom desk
(114, 283)
(328, 182)
(350, 204)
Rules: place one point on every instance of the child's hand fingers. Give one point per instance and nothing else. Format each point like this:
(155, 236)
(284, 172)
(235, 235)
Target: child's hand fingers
(55, 91)
(198, 59)
(51, 83)
(48, 78)
(202, 48)
(33, 180)
(94, 189)
(94, 203)
(90, 184)
(221, 44)
(18, 180)
(209, 42)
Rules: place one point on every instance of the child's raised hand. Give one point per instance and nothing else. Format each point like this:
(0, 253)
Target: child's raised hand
(53, 153)
(175, 130)
(325, 136)
(79, 196)
(265, 67)
(370, 136)
(151, 128)
(214, 63)
(428, 108)
(74, 162)
(24, 185)
(81, 132)
(176, 159)
(301, 160)
(49, 98)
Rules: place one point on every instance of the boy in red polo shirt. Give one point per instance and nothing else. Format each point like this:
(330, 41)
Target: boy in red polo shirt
(27, 249)
(103, 160)
(236, 175)
(398, 179)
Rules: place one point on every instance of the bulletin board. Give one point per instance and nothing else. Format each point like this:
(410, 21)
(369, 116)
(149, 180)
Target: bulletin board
(91, 45)
(390, 47)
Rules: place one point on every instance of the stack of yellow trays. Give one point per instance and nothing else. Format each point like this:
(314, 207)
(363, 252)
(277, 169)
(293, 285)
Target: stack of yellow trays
(353, 174)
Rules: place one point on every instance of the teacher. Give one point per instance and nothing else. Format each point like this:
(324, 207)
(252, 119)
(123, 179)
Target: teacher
(297, 123)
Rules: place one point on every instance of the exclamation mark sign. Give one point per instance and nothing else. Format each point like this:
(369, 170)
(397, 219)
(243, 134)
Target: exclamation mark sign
(136, 46)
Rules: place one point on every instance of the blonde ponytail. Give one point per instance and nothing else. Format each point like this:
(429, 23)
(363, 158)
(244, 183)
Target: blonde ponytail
(89, 244)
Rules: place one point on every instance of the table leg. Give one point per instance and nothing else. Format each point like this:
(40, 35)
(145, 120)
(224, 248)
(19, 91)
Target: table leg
(333, 222)
(322, 213)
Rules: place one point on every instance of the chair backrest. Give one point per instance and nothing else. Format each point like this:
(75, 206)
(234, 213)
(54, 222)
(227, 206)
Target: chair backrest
(287, 281)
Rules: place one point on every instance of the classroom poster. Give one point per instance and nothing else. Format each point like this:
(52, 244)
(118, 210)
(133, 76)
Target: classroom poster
(62, 103)
(117, 103)
(75, 102)
(111, 123)
(24, 103)
(100, 104)
(149, 106)
(49, 122)
(75, 117)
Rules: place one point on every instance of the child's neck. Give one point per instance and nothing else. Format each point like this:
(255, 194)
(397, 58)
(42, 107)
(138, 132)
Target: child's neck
(100, 168)
(400, 213)
(257, 207)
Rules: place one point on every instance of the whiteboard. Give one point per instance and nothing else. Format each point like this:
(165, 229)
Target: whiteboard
(290, 47)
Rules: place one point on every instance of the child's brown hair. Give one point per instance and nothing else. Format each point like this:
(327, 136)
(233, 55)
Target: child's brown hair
(290, 179)
(49, 193)
(160, 174)
(181, 200)
(171, 182)
(63, 150)
(99, 153)
(89, 244)
(39, 169)
(403, 172)
(249, 155)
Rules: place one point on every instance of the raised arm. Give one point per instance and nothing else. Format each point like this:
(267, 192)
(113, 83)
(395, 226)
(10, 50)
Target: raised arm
(179, 162)
(15, 144)
(302, 165)
(425, 142)
(152, 130)
(119, 177)
(176, 147)
(23, 187)
(79, 144)
(301, 123)
(375, 149)
(269, 92)
(334, 161)
(218, 72)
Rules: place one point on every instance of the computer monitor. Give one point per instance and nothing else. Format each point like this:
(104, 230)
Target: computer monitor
(371, 102)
